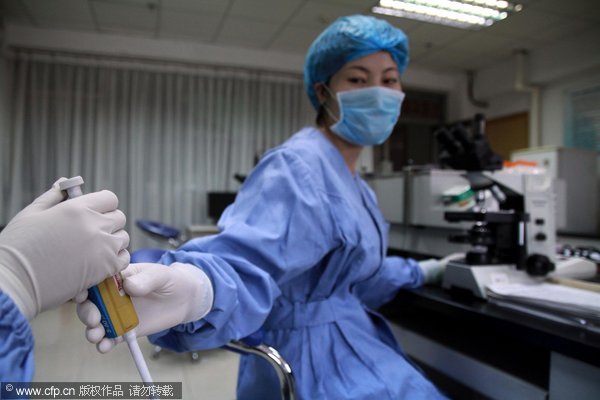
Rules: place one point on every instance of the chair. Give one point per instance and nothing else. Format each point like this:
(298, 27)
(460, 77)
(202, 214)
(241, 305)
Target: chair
(249, 345)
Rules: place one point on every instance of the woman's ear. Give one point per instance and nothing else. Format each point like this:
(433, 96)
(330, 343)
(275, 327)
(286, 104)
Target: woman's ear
(321, 92)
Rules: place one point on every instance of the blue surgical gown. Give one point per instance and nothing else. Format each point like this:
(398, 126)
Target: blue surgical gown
(301, 253)
(16, 343)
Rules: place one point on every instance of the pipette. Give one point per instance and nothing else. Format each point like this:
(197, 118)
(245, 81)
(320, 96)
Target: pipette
(118, 316)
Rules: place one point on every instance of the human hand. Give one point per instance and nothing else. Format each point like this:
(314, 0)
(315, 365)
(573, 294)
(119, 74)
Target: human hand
(163, 297)
(53, 249)
(433, 269)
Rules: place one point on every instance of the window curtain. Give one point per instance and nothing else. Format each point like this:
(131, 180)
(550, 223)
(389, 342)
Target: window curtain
(159, 135)
(4, 149)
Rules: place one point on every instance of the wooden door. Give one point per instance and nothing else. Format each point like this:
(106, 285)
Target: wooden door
(507, 134)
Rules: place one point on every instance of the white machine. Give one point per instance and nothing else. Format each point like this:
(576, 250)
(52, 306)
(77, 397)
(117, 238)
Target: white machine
(515, 243)
(508, 215)
(575, 174)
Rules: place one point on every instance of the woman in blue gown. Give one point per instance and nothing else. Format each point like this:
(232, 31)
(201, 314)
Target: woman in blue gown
(301, 253)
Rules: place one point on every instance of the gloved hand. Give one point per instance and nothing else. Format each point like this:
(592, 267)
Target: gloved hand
(163, 297)
(433, 269)
(53, 249)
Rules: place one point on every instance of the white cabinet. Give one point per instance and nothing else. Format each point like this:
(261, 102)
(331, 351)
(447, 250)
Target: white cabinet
(575, 172)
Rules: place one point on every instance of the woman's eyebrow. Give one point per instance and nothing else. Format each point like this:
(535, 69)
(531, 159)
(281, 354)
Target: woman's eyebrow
(366, 70)
(358, 67)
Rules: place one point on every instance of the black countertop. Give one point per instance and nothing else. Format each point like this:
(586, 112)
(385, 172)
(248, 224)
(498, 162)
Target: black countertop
(512, 341)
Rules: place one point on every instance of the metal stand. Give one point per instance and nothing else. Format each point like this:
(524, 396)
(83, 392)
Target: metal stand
(282, 368)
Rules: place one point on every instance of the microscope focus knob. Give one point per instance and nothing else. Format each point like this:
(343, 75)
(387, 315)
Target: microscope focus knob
(538, 265)
(540, 236)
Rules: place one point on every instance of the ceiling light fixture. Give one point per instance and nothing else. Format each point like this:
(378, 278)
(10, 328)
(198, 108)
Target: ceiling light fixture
(469, 14)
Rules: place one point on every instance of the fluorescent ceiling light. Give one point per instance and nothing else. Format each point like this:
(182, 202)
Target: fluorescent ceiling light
(470, 14)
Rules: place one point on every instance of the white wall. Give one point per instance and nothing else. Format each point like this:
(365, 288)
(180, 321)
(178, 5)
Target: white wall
(91, 43)
(553, 107)
(502, 102)
(189, 52)
(573, 63)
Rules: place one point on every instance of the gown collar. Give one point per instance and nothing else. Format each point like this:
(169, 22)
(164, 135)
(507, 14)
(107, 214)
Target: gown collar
(334, 154)
(353, 182)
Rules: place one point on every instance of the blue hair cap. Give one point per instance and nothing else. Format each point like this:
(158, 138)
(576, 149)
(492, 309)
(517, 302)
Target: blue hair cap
(347, 39)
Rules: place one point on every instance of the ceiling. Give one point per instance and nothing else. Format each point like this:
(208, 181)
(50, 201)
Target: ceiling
(291, 25)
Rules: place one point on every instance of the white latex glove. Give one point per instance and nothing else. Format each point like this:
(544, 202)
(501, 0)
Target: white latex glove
(163, 297)
(434, 268)
(53, 249)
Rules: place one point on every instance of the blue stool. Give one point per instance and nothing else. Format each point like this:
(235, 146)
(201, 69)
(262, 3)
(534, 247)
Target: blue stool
(160, 231)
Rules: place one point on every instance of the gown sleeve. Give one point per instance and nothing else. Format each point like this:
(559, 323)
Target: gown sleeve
(394, 274)
(278, 227)
(16, 343)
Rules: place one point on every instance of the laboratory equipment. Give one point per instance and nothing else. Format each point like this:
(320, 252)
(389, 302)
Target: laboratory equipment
(515, 243)
(469, 151)
(589, 252)
(507, 216)
(575, 172)
(428, 192)
(425, 193)
(434, 191)
(390, 193)
(503, 247)
(118, 316)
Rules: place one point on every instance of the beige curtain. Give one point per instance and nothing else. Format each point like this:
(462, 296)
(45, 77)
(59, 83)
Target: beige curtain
(159, 135)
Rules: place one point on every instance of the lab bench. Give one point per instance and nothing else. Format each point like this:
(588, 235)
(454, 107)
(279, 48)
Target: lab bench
(476, 349)
(473, 349)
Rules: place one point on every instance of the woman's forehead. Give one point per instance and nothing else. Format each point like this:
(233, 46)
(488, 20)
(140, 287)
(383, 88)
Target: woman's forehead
(380, 61)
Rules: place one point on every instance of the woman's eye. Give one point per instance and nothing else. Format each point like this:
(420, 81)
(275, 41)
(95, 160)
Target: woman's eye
(390, 81)
(356, 80)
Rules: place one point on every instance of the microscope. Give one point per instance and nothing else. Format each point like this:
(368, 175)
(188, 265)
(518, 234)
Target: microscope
(512, 244)
(513, 241)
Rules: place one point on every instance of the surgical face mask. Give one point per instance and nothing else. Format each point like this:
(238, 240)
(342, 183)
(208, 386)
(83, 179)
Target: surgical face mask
(367, 116)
